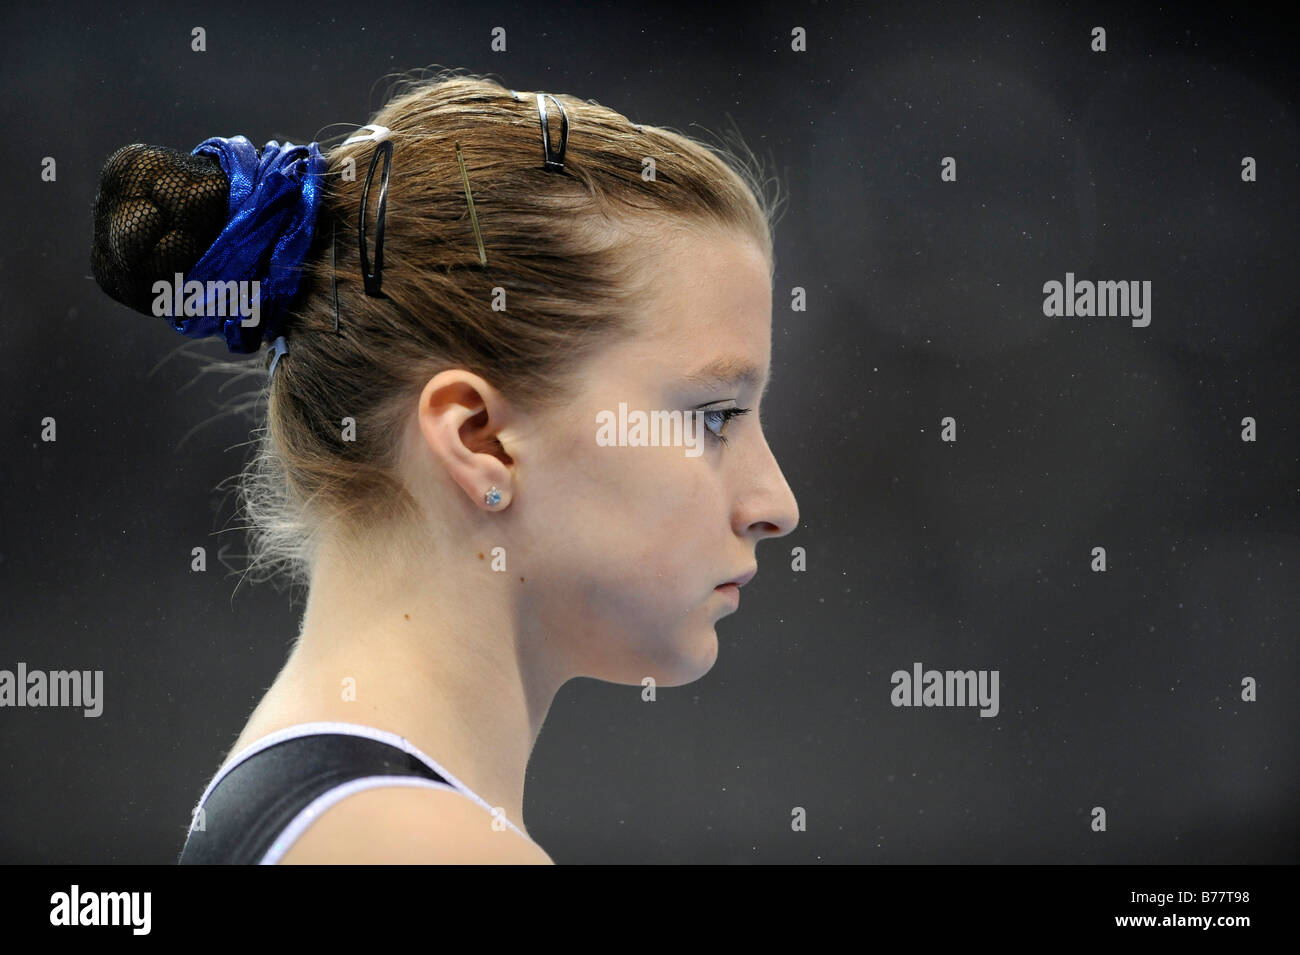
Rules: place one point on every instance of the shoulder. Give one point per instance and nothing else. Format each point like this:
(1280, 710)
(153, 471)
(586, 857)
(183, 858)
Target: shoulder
(410, 825)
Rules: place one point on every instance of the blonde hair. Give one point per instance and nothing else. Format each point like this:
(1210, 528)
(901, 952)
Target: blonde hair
(572, 251)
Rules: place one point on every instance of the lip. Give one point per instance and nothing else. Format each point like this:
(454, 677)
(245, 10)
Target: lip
(731, 592)
(741, 580)
(731, 588)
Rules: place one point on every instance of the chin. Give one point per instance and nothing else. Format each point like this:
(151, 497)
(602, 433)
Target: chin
(673, 660)
(694, 658)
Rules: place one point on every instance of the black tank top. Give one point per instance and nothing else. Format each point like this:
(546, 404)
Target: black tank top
(265, 797)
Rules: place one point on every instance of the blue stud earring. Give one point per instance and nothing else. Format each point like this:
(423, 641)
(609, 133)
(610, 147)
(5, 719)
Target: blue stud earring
(493, 497)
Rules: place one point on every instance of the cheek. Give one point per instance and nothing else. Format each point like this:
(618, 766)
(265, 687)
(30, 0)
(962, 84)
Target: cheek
(649, 515)
(670, 516)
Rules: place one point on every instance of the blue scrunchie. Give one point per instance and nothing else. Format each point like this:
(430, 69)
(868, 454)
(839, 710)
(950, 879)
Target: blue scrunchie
(268, 233)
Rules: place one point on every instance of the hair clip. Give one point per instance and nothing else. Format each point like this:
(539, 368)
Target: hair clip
(554, 159)
(334, 271)
(278, 347)
(377, 134)
(374, 279)
(469, 197)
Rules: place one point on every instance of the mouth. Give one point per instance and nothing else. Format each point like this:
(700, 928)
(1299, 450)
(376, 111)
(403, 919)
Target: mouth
(730, 592)
(731, 589)
(739, 581)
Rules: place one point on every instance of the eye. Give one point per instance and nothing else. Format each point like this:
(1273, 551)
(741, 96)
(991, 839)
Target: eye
(721, 416)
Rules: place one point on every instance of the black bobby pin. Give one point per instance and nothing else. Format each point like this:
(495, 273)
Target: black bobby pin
(374, 280)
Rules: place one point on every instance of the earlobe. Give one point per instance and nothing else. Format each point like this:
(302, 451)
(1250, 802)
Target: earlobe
(459, 419)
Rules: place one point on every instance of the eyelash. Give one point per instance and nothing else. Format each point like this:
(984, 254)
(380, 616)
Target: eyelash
(727, 414)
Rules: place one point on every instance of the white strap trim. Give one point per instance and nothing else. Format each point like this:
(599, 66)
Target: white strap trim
(290, 833)
(350, 729)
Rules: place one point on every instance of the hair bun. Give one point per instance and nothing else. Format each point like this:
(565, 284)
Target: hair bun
(156, 212)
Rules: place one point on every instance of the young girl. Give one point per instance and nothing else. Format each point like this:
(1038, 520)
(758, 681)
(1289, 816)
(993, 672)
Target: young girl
(518, 349)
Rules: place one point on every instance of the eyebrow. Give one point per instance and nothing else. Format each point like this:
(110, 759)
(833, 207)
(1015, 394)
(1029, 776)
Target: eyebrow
(729, 371)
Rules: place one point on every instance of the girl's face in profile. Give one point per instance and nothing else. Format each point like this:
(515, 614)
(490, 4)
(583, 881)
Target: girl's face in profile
(628, 544)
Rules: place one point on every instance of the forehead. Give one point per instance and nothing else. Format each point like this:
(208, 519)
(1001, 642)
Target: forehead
(710, 306)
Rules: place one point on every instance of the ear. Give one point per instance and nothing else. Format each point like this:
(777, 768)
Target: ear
(460, 417)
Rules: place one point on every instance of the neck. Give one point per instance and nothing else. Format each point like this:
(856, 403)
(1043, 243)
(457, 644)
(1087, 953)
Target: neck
(434, 653)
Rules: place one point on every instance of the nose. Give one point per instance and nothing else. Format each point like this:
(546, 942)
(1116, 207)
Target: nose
(766, 506)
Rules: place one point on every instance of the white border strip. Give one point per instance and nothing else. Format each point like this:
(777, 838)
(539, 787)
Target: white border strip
(350, 729)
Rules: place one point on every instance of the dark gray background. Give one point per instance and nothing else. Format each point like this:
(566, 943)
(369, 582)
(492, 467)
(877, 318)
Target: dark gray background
(1118, 689)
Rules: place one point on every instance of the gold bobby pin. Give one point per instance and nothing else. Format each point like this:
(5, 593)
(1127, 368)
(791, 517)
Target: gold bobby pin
(473, 218)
